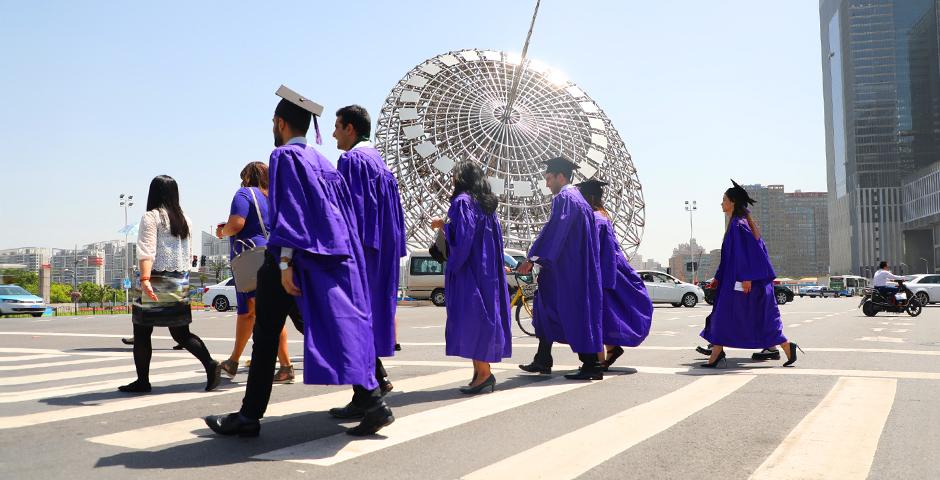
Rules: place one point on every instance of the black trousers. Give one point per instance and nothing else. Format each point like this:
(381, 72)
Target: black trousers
(363, 397)
(543, 356)
(272, 307)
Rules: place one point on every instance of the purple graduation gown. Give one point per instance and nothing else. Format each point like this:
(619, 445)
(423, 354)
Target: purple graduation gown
(312, 212)
(628, 311)
(478, 318)
(381, 229)
(742, 320)
(568, 302)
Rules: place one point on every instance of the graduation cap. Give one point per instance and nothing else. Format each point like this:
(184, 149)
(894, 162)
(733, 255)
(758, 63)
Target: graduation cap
(738, 194)
(560, 165)
(297, 110)
(592, 187)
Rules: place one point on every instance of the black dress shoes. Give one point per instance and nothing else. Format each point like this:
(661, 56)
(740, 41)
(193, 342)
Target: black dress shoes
(704, 351)
(766, 354)
(349, 411)
(536, 368)
(127, 341)
(233, 424)
(135, 387)
(588, 372)
(375, 419)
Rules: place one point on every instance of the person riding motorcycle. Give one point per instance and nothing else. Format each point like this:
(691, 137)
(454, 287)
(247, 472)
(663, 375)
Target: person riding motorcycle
(880, 282)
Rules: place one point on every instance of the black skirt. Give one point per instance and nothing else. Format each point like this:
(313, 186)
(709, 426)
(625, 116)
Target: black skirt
(172, 308)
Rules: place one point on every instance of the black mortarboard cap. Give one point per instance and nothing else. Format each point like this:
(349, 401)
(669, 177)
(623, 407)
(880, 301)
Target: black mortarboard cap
(737, 193)
(592, 187)
(559, 165)
(297, 109)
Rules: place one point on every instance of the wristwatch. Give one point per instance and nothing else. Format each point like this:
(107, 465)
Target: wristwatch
(284, 265)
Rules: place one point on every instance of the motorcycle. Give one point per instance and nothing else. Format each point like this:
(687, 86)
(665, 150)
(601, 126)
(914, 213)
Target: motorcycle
(904, 301)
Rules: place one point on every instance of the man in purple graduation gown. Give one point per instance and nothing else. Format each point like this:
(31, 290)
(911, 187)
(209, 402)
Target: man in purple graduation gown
(627, 311)
(381, 229)
(321, 268)
(568, 303)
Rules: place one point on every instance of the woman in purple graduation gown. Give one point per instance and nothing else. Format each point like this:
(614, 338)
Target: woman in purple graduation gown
(745, 313)
(627, 309)
(478, 320)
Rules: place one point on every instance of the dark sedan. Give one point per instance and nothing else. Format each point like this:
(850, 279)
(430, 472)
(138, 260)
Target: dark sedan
(783, 294)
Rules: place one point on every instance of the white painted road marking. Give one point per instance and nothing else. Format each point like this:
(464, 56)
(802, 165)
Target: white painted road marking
(340, 448)
(838, 439)
(574, 453)
(166, 434)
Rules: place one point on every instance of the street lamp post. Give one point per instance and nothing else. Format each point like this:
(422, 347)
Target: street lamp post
(691, 208)
(127, 201)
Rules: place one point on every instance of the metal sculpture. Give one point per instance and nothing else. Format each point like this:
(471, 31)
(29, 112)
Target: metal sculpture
(453, 107)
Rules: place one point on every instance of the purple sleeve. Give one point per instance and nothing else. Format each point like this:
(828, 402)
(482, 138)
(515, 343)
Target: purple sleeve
(241, 203)
(751, 261)
(551, 240)
(459, 232)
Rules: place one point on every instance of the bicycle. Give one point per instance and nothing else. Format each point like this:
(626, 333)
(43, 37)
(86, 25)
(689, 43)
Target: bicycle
(522, 300)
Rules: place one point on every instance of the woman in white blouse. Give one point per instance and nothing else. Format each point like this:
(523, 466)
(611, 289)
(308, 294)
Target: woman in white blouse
(164, 249)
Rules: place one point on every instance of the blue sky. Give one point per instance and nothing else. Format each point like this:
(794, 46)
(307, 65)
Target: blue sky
(98, 97)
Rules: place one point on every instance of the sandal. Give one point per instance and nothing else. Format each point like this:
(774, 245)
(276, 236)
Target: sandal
(284, 375)
(229, 368)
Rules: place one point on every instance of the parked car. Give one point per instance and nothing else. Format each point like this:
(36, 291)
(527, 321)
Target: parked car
(423, 277)
(221, 295)
(926, 288)
(664, 288)
(15, 300)
(823, 292)
(805, 290)
(781, 293)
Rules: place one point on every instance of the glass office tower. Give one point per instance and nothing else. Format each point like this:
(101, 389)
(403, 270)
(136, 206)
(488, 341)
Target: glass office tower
(879, 61)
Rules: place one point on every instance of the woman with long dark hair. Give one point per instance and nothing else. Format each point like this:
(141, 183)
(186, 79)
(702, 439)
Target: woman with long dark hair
(627, 309)
(164, 249)
(248, 224)
(478, 319)
(745, 313)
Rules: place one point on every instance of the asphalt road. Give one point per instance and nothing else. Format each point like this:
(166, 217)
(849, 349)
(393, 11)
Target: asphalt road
(861, 402)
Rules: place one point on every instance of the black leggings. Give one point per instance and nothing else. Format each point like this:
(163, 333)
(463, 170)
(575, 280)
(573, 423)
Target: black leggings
(143, 348)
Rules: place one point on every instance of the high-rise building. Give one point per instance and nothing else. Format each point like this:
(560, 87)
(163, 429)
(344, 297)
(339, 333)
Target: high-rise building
(28, 258)
(880, 76)
(795, 228)
(705, 263)
(79, 265)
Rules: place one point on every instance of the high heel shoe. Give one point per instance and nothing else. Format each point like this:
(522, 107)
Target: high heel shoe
(612, 356)
(489, 382)
(717, 362)
(793, 348)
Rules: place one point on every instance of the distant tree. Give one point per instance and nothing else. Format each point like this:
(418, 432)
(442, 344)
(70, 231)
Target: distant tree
(59, 293)
(27, 279)
(91, 293)
(218, 268)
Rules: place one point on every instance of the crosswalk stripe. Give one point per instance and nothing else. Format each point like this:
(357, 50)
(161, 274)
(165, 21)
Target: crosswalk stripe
(29, 358)
(839, 437)
(47, 377)
(83, 411)
(340, 448)
(574, 453)
(62, 363)
(111, 335)
(50, 392)
(166, 434)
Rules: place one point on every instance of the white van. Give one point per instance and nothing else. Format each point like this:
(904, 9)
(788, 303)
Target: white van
(423, 277)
